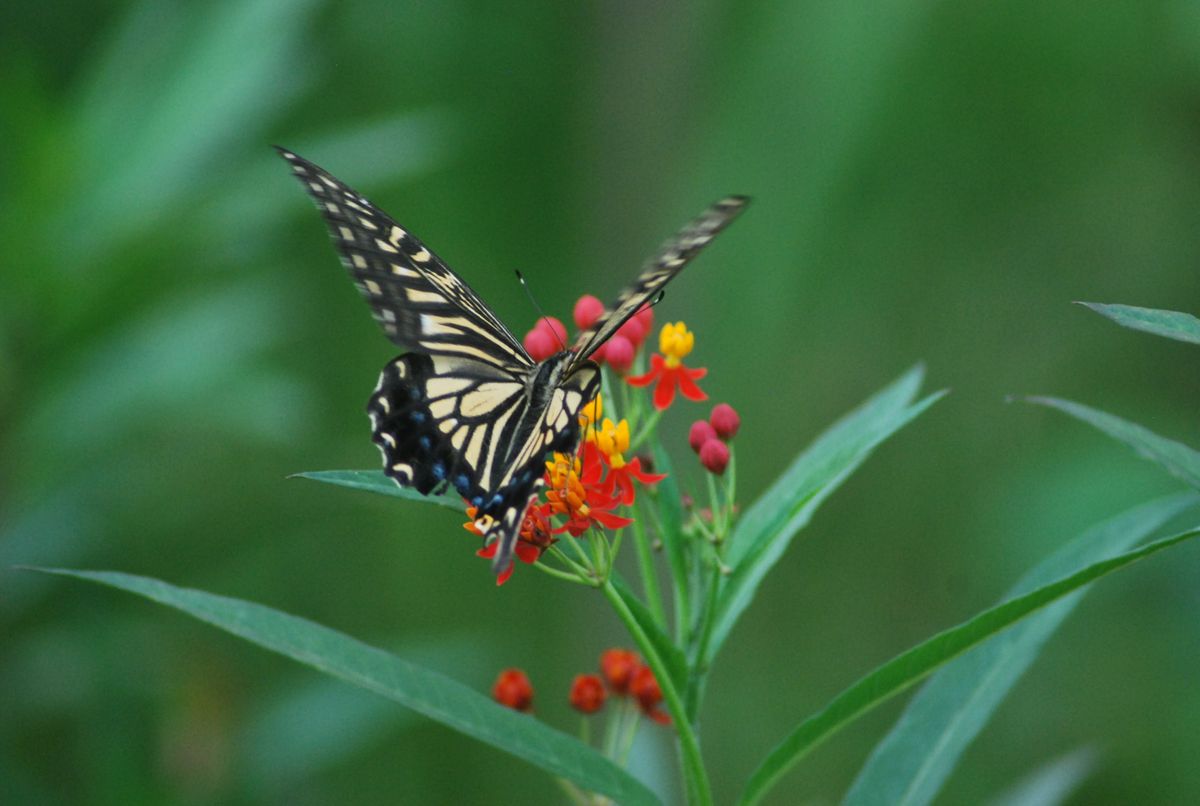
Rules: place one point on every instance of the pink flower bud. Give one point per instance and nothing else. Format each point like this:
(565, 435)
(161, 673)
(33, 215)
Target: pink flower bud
(714, 455)
(725, 421)
(633, 330)
(587, 310)
(556, 329)
(700, 433)
(540, 344)
(646, 316)
(618, 352)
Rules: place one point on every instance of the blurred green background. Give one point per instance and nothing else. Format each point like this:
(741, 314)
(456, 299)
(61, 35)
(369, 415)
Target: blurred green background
(932, 181)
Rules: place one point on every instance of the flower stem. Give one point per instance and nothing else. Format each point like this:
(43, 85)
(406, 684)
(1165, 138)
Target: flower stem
(646, 565)
(646, 430)
(695, 776)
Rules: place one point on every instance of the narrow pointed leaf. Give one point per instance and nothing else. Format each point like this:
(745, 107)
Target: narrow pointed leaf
(1172, 324)
(1176, 457)
(428, 692)
(915, 664)
(913, 761)
(1053, 783)
(374, 481)
(764, 532)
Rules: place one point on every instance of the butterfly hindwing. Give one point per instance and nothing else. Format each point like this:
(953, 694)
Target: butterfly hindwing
(658, 271)
(442, 421)
(417, 300)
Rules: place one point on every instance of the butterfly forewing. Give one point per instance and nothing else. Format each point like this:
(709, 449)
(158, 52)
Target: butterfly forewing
(658, 271)
(418, 301)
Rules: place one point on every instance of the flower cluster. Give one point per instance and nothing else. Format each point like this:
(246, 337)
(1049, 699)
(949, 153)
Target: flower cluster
(626, 675)
(622, 674)
(708, 438)
(585, 492)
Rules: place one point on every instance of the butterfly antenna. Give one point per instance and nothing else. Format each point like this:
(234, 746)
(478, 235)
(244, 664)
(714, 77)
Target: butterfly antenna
(538, 308)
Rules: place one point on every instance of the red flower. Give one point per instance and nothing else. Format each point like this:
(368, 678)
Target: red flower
(667, 369)
(645, 690)
(612, 440)
(513, 689)
(587, 693)
(618, 666)
(535, 537)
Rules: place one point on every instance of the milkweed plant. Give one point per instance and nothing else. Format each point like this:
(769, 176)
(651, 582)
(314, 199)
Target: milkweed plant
(620, 494)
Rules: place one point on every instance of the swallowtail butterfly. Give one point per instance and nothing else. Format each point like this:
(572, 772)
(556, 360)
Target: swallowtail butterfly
(466, 407)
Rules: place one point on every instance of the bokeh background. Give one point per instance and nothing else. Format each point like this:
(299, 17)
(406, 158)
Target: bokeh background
(931, 181)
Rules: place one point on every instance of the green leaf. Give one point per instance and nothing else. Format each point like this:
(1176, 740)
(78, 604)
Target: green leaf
(374, 481)
(1172, 324)
(423, 690)
(669, 506)
(1051, 784)
(1176, 457)
(764, 532)
(672, 655)
(913, 761)
(915, 664)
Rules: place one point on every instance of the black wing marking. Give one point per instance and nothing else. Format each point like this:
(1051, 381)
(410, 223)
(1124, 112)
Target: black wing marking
(658, 271)
(420, 303)
(444, 420)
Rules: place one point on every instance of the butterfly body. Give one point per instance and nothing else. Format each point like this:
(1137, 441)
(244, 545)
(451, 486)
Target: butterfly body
(466, 407)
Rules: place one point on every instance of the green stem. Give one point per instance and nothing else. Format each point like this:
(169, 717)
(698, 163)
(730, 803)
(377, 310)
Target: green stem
(646, 430)
(581, 570)
(646, 565)
(698, 663)
(694, 773)
(558, 573)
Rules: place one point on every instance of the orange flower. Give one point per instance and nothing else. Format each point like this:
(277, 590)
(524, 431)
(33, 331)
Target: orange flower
(667, 371)
(618, 665)
(576, 490)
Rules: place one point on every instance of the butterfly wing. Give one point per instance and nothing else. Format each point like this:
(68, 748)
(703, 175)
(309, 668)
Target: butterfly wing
(418, 301)
(658, 271)
(465, 408)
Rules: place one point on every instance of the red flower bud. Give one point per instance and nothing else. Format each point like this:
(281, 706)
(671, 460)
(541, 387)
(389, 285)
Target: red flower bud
(700, 433)
(725, 421)
(540, 344)
(556, 329)
(618, 666)
(618, 353)
(646, 691)
(513, 689)
(587, 693)
(587, 310)
(714, 455)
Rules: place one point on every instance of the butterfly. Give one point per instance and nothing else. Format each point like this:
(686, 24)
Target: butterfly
(466, 407)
